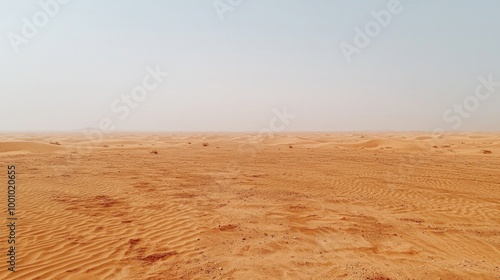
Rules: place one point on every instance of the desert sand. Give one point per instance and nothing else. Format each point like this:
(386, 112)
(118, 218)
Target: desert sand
(241, 206)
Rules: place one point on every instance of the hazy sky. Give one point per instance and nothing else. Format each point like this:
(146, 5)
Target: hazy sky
(229, 69)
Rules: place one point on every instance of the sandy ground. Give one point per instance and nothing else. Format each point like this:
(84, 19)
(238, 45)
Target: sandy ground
(236, 206)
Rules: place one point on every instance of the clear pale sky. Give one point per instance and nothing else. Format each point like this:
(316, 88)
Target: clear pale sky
(229, 75)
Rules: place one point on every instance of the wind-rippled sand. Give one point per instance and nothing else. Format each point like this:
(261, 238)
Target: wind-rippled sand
(236, 206)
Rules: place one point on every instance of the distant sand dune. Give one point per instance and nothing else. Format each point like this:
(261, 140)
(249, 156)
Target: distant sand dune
(28, 147)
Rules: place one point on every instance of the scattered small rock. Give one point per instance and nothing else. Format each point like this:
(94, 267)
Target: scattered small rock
(134, 241)
(156, 257)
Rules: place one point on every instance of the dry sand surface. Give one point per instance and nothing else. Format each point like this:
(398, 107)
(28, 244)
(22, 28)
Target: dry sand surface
(236, 206)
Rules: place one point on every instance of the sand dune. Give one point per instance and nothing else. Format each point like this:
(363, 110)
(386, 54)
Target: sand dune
(28, 147)
(292, 206)
(383, 144)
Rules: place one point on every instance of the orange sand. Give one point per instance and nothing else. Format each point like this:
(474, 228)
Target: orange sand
(296, 206)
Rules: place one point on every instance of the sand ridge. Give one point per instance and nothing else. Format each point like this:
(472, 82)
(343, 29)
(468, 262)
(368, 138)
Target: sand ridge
(28, 147)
